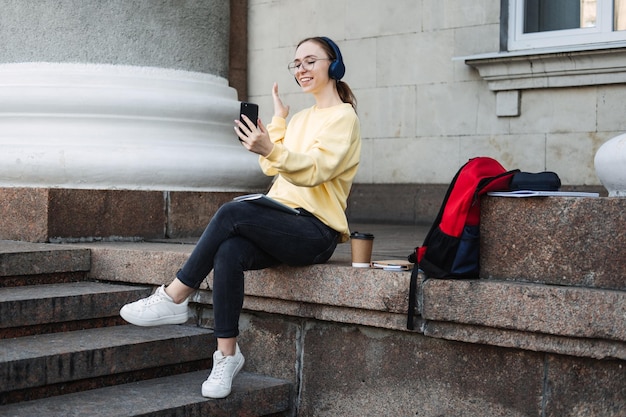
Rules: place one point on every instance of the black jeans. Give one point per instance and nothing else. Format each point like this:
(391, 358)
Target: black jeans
(245, 236)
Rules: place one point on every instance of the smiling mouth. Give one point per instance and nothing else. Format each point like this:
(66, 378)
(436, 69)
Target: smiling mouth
(305, 79)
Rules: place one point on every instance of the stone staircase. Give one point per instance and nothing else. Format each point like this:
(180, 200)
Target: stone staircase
(541, 334)
(64, 350)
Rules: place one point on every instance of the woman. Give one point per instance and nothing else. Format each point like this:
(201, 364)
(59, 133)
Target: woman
(314, 160)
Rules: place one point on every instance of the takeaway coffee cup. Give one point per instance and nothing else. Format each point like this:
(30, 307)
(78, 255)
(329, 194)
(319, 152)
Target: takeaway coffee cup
(361, 244)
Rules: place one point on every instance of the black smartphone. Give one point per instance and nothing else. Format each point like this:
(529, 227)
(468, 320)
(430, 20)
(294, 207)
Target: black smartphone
(251, 110)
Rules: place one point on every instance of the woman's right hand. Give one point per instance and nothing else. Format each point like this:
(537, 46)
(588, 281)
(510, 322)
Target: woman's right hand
(280, 110)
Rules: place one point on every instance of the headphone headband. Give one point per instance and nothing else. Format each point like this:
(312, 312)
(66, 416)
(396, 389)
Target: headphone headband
(337, 69)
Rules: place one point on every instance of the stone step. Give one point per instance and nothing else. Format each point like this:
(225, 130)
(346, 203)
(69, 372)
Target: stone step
(45, 360)
(177, 395)
(36, 309)
(24, 263)
(64, 350)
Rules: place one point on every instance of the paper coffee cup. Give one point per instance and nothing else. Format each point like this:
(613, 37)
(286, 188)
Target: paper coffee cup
(362, 244)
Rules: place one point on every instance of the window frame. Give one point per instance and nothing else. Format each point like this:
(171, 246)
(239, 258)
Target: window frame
(602, 33)
(508, 73)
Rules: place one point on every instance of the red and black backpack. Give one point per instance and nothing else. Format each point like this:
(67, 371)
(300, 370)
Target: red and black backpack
(451, 247)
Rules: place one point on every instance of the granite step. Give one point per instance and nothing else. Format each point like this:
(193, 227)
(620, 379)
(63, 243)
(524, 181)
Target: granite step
(49, 364)
(37, 309)
(176, 395)
(25, 263)
(64, 349)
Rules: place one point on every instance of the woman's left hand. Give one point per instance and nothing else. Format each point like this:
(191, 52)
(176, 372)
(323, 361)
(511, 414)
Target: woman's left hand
(253, 138)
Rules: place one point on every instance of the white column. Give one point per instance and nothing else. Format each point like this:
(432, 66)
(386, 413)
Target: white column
(117, 94)
(120, 127)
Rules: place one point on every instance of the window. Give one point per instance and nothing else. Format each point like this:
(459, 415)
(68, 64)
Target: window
(556, 23)
(551, 44)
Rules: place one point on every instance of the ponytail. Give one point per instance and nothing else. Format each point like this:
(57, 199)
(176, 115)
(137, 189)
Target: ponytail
(345, 93)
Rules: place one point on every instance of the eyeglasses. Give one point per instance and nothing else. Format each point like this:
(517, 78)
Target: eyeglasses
(306, 64)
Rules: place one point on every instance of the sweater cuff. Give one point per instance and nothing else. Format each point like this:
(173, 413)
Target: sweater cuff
(278, 123)
(274, 155)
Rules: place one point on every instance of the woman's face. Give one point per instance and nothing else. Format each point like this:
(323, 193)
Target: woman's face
(312, 74)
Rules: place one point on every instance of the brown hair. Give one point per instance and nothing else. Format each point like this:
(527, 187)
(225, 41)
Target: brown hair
(345, 92)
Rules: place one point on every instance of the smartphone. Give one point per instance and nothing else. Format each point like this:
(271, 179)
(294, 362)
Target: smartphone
(251, 110)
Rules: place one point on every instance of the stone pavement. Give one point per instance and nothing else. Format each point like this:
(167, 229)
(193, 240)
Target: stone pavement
(391, 241)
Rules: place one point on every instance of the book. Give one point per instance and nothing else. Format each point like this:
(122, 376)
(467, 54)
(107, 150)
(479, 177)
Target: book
(264, 200)
(393, 265)
(530, 193)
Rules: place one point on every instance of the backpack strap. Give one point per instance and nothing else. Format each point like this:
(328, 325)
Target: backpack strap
(416, 256)
(412, 299)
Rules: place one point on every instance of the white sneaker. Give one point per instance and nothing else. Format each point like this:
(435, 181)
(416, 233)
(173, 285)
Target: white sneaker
(219, 383)
(155, 310)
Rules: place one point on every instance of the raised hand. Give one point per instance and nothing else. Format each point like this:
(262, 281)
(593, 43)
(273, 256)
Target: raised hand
(280, 110)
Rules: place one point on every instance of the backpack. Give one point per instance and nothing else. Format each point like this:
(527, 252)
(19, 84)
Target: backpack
(451, 247)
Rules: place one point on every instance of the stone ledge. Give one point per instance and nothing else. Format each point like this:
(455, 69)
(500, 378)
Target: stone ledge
(334, 291)
(565, 320)
(563, 311)
(328, 313)
(555, 240)
(574, 321)
(537, 342)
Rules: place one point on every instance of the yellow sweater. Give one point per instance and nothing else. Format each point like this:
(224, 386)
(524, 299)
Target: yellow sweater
(314, 160)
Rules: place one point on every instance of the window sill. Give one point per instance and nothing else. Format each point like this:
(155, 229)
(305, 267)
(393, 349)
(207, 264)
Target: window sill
(509, 73)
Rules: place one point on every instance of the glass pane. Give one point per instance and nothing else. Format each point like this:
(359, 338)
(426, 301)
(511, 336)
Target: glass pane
(588, 13)
(547, 15)
(620, 14)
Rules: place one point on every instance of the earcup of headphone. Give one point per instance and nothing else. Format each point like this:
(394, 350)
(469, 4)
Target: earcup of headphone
(337, 69)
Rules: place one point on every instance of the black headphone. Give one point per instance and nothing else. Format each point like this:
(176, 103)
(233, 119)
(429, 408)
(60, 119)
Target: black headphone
(337, 69)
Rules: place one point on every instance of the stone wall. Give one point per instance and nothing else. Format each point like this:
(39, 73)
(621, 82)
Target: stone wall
(347, 370)
(423, 110)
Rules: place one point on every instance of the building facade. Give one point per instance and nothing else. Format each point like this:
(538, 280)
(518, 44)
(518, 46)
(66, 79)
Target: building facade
(439, 82)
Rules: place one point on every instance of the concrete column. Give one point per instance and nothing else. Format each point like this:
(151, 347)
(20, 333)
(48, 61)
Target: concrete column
(190, 35)
(119, 94)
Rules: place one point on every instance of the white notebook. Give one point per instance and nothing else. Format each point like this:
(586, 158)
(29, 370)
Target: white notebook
(530, 193)
(266, 201)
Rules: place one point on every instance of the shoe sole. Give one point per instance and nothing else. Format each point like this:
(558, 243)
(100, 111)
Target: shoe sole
(218, 396)
(175, 319)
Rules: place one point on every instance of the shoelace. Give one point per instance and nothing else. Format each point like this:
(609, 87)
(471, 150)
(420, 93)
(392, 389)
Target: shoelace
(218, 369)
(156, 297)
